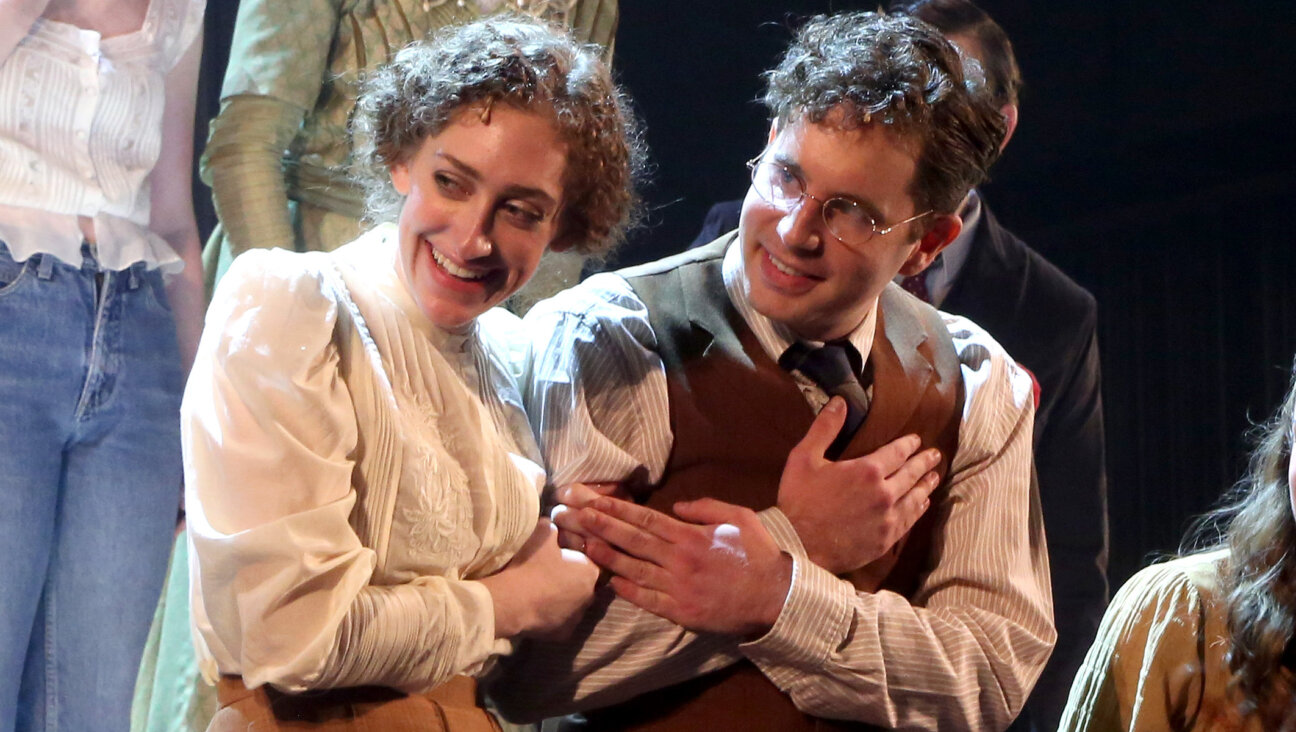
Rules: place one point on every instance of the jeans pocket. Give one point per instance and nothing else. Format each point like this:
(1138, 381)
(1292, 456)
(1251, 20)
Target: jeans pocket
(155, 286)
(12, 273)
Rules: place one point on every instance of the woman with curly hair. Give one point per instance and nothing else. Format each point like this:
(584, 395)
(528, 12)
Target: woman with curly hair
(1204, 642)
(278, 162)
(362, 485)
(280, 149)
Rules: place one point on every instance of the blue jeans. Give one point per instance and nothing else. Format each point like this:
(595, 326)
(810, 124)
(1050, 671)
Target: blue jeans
(90, 475)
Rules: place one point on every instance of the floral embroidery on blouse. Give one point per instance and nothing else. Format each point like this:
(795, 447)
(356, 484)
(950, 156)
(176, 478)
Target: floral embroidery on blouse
(434, 501)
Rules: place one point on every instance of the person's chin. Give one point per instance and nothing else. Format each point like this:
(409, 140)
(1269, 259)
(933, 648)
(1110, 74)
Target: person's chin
(451, 309)
(779, 307)
(452, 318)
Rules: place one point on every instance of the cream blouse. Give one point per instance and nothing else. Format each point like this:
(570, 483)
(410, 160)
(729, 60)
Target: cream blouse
(80, 130)
(350, 469)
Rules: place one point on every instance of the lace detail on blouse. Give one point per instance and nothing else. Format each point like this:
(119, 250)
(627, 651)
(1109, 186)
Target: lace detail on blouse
(438, 514)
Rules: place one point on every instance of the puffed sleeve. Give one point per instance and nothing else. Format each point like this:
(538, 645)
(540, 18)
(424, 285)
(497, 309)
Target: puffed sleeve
(281, 588)
(243, 164)
(278, 59)
(281, 50)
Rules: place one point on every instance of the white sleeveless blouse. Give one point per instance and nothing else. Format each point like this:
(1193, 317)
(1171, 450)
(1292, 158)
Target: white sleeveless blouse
(80, 131)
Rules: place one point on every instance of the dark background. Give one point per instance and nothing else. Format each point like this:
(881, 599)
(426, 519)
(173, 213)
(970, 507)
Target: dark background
(1153, 164)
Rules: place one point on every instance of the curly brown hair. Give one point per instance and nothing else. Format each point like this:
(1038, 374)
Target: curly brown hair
(1255, 524)
(901, 72)
(527, 64)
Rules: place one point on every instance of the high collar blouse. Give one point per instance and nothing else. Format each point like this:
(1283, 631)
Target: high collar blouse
(80, 131)
(351, 470)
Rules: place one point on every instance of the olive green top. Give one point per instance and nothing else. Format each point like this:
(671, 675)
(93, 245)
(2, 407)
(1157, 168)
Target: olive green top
(1158, 662)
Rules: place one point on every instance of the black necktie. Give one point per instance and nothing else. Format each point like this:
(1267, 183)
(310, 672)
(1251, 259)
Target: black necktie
(835, 368)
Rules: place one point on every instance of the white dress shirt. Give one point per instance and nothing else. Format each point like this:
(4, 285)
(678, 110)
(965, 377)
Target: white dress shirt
(80, 131)
(350, 469)
(961, 653)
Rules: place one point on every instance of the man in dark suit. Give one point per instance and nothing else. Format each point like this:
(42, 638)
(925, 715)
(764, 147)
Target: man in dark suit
(1048, 323)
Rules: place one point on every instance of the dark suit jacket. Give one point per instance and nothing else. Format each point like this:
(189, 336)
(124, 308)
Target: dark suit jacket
(1049, 324)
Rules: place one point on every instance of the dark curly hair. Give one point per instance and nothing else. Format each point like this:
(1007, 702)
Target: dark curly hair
(898, 71)
(1256, 526)
(527, 64)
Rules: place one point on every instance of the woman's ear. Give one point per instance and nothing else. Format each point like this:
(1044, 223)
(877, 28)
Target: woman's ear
(400, 178)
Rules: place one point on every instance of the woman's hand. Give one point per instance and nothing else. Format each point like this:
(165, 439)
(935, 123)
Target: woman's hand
(544, 589)
(575, 497)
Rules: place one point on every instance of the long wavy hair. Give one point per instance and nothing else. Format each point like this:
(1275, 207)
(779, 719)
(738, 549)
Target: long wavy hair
(1256, 526)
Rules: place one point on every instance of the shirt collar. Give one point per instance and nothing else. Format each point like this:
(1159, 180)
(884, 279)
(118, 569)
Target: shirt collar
(775, 337)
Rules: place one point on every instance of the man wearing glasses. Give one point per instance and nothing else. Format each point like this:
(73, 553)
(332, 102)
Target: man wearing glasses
(1048, 323)
(880, 563)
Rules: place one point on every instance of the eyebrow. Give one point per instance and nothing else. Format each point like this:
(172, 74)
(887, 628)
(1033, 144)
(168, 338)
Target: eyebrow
(869, 207)
(511, 191)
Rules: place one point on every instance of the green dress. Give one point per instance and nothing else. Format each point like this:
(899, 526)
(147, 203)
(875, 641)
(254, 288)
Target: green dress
(276, 160)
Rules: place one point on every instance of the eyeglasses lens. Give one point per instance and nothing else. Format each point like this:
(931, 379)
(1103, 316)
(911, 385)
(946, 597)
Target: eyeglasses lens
(780, 187)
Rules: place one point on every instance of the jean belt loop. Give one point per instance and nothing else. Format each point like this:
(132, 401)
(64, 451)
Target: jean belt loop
(44, 266)
(133, 279)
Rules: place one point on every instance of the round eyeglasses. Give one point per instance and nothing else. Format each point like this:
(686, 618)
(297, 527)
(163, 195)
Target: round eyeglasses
(846, 220)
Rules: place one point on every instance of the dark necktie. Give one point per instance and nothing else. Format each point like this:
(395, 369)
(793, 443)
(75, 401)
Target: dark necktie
(834, 368)
(916, 285)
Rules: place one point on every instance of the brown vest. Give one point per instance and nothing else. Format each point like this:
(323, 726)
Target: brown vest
(736, 415)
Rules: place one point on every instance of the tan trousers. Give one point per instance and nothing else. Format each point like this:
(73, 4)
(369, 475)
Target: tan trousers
(450, 707)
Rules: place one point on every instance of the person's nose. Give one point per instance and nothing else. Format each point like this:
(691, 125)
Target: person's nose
(800, 226)
(473, 237)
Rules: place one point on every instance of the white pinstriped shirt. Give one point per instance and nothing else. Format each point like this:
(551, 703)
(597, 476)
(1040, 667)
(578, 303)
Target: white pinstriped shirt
(961, 654)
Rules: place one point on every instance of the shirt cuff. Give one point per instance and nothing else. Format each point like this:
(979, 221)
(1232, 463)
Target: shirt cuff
(815, 620)
(782, 531)
(479, 645)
